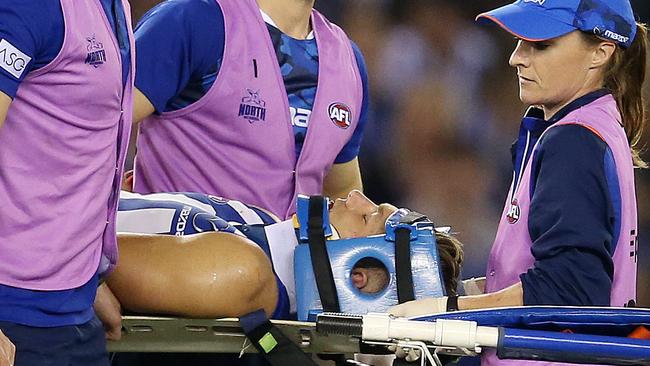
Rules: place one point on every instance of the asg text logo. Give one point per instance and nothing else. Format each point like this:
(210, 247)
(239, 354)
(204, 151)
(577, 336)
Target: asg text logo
(540, 2)
(12, 59)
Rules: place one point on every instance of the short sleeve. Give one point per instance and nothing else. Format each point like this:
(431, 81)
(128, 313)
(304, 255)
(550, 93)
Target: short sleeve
(177, 41)
(31, 35)
(351, 149)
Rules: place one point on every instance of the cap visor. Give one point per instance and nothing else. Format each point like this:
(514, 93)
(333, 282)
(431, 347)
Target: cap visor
(526, 22)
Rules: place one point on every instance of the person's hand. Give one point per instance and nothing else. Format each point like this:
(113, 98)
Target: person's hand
(428, 306)
(109, 311)
(411, 355)
(127, 181)
(474, 286)
(7, 351)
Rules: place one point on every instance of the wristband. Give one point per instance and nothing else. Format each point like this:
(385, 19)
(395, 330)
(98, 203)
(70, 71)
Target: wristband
(452, 303)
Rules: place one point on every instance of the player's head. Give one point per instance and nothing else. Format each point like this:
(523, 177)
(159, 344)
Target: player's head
(370, 276)
(358, 216)
(568, 48)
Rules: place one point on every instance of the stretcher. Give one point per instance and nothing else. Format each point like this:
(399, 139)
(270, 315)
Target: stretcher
(161, 334)
(568, 334)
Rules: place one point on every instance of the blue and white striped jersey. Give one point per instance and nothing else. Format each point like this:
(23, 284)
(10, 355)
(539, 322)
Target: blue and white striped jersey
(192, 213)
(186, 214)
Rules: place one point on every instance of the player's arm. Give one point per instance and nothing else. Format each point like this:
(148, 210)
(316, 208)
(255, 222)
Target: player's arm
(142, 107)
(343, 178)
(5, 101)
(345, 175)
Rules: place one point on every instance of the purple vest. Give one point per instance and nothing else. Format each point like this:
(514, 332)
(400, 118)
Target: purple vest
(511, 252)
(237, 140)
(62, 153)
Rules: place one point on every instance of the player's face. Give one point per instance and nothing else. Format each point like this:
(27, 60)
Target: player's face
(357, 216)
(555, 72)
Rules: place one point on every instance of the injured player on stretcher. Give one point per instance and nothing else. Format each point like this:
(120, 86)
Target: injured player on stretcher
(195, 255)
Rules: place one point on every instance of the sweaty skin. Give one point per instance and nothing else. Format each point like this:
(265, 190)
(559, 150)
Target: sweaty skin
(205, 275)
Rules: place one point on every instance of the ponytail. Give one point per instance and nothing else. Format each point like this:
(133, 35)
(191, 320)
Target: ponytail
(625, 77)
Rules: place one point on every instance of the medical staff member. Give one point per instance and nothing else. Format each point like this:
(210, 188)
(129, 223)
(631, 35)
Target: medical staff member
(65, 113)
(567, 235)
(253, 100)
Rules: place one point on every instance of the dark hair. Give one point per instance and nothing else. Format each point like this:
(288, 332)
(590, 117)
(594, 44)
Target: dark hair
(624, 76)
(450, 251)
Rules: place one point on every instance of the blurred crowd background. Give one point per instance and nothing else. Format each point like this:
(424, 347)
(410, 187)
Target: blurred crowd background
(444, 113)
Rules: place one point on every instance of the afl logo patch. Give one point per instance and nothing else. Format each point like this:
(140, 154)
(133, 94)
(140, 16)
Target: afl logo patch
(513, 212)
(340, 114)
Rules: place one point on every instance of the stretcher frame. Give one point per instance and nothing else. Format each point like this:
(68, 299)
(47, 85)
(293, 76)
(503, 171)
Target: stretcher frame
(342, 333)
(165, 334)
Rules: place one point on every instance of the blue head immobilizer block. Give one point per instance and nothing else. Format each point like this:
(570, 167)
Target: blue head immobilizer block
(345, 253)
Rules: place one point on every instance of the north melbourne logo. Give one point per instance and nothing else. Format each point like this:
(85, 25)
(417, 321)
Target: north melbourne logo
(12, 60)
(252, 107)
(96, 55)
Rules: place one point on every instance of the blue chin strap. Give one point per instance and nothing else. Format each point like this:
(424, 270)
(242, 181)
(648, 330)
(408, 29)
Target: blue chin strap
(323, 267)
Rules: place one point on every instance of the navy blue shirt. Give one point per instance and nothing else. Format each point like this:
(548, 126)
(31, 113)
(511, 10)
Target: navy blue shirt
(178, 29)
(575, 210)
(36, 28)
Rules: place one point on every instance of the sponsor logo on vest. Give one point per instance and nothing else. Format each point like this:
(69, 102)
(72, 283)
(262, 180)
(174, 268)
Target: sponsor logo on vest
(12, 60)
(252, 107)
(182, 220)
(540, 2)
(96, 55)
(514, 212)
(340, 114)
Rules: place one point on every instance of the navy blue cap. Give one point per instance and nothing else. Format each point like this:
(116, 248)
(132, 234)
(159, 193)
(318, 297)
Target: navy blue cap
(539, 20)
